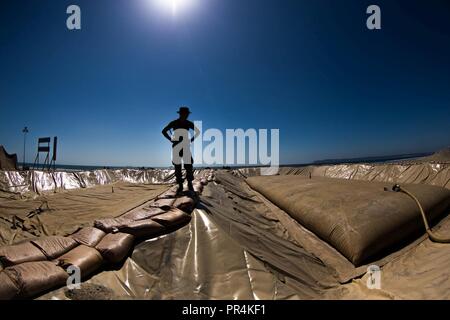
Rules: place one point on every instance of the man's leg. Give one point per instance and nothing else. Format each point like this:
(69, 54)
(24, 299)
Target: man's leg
(179, 177)
(176, 161)
(189, 174)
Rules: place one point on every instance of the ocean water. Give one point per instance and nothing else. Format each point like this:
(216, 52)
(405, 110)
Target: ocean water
(381, 159)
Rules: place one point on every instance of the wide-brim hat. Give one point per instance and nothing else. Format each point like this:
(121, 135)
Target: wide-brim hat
(184, 110)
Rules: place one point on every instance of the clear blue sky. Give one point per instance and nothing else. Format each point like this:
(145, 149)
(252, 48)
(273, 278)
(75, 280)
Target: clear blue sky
(309, 68)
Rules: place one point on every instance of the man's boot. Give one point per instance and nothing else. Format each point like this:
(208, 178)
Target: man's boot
(180, 188)
(190, 186)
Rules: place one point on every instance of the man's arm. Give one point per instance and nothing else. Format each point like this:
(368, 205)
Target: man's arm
(166, 130)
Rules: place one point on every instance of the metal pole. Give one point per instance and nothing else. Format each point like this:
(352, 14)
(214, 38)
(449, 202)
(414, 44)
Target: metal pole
(25, 131)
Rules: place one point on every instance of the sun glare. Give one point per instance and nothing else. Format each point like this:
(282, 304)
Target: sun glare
(173, 7)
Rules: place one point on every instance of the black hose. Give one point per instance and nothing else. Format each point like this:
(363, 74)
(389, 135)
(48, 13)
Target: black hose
(431, 235)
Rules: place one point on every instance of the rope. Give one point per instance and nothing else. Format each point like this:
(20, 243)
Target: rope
(431, 235)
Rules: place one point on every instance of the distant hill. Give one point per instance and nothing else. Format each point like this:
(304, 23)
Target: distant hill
(375, 159)
(440, 156)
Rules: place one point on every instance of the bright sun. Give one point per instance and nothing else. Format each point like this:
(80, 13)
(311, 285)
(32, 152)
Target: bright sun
(173, 6)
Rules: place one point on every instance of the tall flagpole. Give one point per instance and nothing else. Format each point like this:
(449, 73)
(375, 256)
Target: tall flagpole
(25, 131)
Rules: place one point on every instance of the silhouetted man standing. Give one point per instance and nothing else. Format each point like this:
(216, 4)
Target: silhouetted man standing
(180, 149)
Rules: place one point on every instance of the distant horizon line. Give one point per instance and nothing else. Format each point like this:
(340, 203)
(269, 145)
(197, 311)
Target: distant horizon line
(369, 159)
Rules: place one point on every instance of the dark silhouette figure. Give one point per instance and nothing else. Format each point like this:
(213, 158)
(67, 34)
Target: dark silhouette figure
(182, 123)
